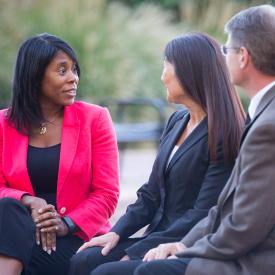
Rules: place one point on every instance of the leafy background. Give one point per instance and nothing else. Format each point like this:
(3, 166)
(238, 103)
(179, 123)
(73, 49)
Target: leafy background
(119, 43)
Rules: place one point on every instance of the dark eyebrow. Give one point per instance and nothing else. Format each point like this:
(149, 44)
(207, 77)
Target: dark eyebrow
(63, 63)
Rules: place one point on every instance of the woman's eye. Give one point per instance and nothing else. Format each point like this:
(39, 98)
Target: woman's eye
(62, 70)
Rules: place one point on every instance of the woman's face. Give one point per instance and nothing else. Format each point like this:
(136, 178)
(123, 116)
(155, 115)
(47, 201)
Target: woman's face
(59, 84)
(175, 92)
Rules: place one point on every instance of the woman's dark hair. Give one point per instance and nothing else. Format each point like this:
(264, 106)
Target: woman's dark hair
(201, 70)
(33, 57)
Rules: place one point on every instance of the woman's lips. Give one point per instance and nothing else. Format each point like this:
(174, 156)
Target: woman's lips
(71, 92)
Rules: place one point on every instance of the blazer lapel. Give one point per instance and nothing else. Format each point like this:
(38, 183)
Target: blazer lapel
(69, 141)
(267, 98)
(170, 140)
(198, 133)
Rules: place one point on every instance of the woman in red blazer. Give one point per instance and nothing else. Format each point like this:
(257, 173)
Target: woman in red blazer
(58, 163)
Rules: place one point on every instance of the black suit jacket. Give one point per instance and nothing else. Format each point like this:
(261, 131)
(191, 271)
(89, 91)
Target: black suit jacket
(176, 196)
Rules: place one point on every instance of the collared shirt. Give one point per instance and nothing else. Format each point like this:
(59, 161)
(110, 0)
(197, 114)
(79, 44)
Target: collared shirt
(257, 98)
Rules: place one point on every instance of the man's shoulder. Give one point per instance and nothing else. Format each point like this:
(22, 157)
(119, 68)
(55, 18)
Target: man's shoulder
(267, 116)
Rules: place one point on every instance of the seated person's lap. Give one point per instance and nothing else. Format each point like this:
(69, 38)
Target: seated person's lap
(87, 260)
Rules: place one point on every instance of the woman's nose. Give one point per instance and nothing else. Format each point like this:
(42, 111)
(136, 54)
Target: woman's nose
(74, 77)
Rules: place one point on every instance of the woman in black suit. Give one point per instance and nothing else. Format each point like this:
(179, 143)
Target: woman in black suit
(195, 158)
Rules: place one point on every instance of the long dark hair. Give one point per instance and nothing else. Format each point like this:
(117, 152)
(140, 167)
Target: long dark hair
(33, 57)
(201, 70)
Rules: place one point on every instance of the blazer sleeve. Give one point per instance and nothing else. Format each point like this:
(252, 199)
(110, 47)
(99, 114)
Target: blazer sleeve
(92, 213)
(143, 210)
(252, 212)
(5, 190)
(214, 180)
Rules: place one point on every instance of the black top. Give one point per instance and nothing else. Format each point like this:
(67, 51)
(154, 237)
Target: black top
(43, 164)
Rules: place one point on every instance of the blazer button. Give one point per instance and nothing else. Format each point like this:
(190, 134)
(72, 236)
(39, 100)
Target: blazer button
(63, 210)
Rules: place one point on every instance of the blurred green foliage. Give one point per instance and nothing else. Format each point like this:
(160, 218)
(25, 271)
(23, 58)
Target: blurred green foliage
(119, 43)
(119, 48)
(169, 4)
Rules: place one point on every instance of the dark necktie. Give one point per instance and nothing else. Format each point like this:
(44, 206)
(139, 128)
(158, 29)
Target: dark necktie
(248, 119)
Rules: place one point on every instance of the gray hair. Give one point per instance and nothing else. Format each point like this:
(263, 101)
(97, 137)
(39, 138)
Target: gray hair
(254, 29)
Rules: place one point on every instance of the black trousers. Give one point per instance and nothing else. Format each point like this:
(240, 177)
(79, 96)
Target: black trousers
(17, 240)
(137, 267)
(92, 262)
(87, 260)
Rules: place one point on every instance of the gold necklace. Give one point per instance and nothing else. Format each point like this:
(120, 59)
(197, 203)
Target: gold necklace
(43, 127)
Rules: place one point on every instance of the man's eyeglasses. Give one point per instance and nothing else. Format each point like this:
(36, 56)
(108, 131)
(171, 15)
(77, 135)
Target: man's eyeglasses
(224, 49)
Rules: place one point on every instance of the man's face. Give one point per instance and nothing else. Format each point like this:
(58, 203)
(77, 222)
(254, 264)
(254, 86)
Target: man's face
(232, 61)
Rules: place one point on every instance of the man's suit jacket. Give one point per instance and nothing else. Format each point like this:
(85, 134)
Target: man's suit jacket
(176, 196)
(238, 235)
(87, 187)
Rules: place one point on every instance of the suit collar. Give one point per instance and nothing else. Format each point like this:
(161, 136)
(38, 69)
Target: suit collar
(170, 140)
(256, 99)
(70, 136)
(197, 134)
(265, 101)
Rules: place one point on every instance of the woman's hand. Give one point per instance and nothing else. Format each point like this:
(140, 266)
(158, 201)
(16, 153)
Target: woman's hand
(49, 221)
(36, 206)
(125, 258)
(163, 251)
(107, 241)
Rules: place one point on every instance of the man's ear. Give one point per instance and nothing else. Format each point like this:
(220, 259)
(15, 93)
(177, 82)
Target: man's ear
(244, 57)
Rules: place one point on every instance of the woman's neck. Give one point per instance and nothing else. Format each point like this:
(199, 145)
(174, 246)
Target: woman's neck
(52, 113)
(197, 113)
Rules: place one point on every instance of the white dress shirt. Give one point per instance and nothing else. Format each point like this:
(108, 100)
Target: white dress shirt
(257, 98)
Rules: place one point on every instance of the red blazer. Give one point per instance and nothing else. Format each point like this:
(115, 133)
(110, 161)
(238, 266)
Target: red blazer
(88, 177)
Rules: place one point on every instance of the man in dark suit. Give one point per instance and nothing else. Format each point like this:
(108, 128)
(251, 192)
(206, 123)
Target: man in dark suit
(238, 235)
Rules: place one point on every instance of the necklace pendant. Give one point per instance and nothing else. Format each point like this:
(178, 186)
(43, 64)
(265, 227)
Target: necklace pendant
(42, 129)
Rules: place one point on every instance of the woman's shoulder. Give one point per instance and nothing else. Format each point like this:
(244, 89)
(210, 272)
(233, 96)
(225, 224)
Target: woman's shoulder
(176, 116)
(83, 106)
(179, 114)
(3, 115)
(173, 119)
(87, 111)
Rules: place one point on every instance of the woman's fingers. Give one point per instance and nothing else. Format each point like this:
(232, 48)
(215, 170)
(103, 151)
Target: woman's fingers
(50, 229)
(46, 216)
(50, 242)
(43, 241)
(150, 255)
(125, 258)
(47, 208)
(37, 236)
(54, 243)
(47, 223)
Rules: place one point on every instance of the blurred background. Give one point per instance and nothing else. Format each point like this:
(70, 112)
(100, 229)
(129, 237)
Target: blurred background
(120, 48)
(119, 43)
